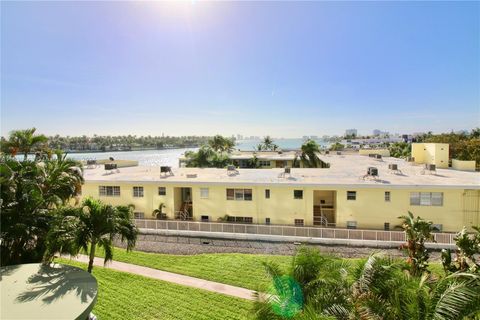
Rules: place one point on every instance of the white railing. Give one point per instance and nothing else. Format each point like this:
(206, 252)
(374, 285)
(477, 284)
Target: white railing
(284, 230)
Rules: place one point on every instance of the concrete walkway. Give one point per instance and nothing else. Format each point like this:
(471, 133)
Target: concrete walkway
(172, 277)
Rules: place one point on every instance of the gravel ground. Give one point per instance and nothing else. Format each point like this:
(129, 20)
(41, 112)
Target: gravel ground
(193, 245)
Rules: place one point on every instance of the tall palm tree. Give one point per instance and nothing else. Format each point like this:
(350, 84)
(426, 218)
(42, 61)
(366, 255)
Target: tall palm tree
(221, 144)
(30, 190)
(309, 155)
(91, 225)
(25, 141)
(268, 144)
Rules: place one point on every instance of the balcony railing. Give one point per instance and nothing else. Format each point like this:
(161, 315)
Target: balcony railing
(283, 230)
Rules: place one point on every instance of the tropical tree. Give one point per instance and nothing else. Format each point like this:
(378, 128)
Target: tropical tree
(221, 144)
(309, 155)
(417, 231)
(400, 149)
(30, 190)
(337, 146)
(466, 254)
(267, 145)
(93, 224)
(158, 213)
(202, 158)
(318, 287)
(24, 141)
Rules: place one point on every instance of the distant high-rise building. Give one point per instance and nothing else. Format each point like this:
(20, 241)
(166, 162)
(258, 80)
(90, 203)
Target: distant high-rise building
(351, 132)
(377, 132)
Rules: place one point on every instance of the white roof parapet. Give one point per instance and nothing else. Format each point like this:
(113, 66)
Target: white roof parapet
(345, 170)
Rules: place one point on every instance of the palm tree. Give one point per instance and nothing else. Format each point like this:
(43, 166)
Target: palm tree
(318, 287)
(309, 155)
(30, 190)
(221, 144)
(158, 213)
(417, 231)
(267, 144)
(202, 158)
(25, 141)
(91, 225)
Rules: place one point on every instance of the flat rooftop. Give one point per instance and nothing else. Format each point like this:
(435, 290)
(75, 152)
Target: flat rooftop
(345, 170)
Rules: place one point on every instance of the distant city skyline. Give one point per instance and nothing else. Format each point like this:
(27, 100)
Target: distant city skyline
(285, 69)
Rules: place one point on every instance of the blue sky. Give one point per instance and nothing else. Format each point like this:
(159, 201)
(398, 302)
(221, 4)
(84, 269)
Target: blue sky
(282, 68)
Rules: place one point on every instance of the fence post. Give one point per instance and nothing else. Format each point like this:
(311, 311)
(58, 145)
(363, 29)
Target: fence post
(156, 224)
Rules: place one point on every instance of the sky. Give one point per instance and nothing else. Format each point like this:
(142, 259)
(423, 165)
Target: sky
(286, 69)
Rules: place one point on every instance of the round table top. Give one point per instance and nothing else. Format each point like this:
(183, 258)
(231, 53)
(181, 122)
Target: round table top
(55, 291)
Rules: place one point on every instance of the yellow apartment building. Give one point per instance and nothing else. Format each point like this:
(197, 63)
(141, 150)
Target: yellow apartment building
(346, 195)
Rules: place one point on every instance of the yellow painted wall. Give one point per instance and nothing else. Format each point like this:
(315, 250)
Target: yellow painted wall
(463, 165)
(382, 152)
(431, 153)
(369, 210)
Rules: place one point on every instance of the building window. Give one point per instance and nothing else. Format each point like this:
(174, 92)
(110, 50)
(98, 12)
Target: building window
(204, 218)
(351, 195)
(298, 222)
(162, 191)
(204, 193)
(387, 196)
(248, 220)
(240, 219)
(267, 193)
(138, 215)
(426, 198)
(298, 194)
(138, 192)
(267, 220)
(239, 194)
(109, 191)
(264, 163)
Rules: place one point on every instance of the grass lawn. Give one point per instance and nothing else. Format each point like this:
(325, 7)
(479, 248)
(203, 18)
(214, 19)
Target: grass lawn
(127, 296)
(242, 270)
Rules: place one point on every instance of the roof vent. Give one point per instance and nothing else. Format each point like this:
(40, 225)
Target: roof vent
(410, 159)
(371, 155)
(112, 167)
(327, 152)
(339, 153)
(232, 170)
(372, 173)
(429, 169)
(394, 168)
(378, 156)
(166, 170)
(287, 171)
